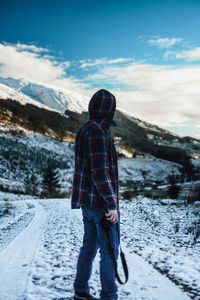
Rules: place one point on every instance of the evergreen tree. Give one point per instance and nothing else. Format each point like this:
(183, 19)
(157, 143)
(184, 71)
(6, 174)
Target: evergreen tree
(173, 189)
(50, 182)
(188, 167)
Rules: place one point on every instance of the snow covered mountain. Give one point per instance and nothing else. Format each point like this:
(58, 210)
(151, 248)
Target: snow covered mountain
(7, 92)
(50, 96)
(39, 109)
(132, 134)
(59, 99)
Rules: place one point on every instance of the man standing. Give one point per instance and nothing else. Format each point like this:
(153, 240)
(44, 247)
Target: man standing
(95, 190)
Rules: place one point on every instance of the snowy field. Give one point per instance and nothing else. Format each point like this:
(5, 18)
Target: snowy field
(38, 252)
(146, 168)
(167, 236)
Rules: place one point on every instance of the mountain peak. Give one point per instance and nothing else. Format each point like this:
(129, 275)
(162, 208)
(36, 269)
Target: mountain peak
(55, 98)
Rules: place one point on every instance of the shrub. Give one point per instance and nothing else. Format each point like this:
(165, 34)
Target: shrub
(128, 194)
(194, 195)
(6, 209)
(173, 190)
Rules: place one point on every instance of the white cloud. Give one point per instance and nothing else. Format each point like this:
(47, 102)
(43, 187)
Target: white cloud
(103, 61)
(163, 42)
(33, 48)
(65, 64)
(190, 54)
(162, 95)
(168, 54)
(27, 62)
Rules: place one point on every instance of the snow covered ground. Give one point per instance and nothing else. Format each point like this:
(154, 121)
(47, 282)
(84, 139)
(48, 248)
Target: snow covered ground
(29, 147)
(166, 233)
(147, 168)
(40, 261)
(14, 217)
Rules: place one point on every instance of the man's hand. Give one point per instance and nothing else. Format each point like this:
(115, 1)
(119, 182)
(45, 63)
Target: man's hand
(112, 216)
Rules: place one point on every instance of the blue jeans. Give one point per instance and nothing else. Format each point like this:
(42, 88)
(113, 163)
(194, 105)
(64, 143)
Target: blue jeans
(94, 238)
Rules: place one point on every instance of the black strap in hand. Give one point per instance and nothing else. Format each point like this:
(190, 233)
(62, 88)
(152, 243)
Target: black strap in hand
(123, 260)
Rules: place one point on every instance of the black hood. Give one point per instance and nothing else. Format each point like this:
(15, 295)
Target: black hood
(102, 106)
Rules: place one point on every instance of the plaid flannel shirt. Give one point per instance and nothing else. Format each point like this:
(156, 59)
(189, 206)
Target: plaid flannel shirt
(95, 181)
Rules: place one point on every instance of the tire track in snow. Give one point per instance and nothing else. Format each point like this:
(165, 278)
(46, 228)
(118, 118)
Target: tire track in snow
(11, 230)
(16, 258)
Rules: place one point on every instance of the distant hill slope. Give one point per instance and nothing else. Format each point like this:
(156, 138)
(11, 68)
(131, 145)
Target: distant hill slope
(41, 108)
(129, 135)
(56, 98)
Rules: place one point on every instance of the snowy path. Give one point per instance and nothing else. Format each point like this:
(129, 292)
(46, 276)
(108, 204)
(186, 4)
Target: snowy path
(39, 264)
(16, 258)
(144, 281)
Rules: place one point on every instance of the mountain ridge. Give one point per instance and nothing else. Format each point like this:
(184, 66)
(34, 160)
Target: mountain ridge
(26, 123)
(56, 98)
(46, 95)
(132, 135)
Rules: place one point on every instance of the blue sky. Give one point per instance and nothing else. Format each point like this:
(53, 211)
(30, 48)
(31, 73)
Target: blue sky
(146, 52)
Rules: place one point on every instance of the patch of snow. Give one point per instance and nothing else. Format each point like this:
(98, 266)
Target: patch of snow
(10, 93)
(42, 95)
(146, 168)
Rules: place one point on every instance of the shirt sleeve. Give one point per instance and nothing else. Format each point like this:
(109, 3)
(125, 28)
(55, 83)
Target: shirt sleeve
(98, 159)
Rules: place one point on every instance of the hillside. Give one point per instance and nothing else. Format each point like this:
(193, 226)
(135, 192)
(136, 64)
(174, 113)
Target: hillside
(24, 157)
(34, 136)
(42, 95)
(129, 135)
(136, 135)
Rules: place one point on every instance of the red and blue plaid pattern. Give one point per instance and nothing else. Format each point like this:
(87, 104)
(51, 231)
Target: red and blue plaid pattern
(95, 182)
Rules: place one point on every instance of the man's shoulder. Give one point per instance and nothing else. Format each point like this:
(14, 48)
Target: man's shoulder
(83, 128)
(90, 126)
